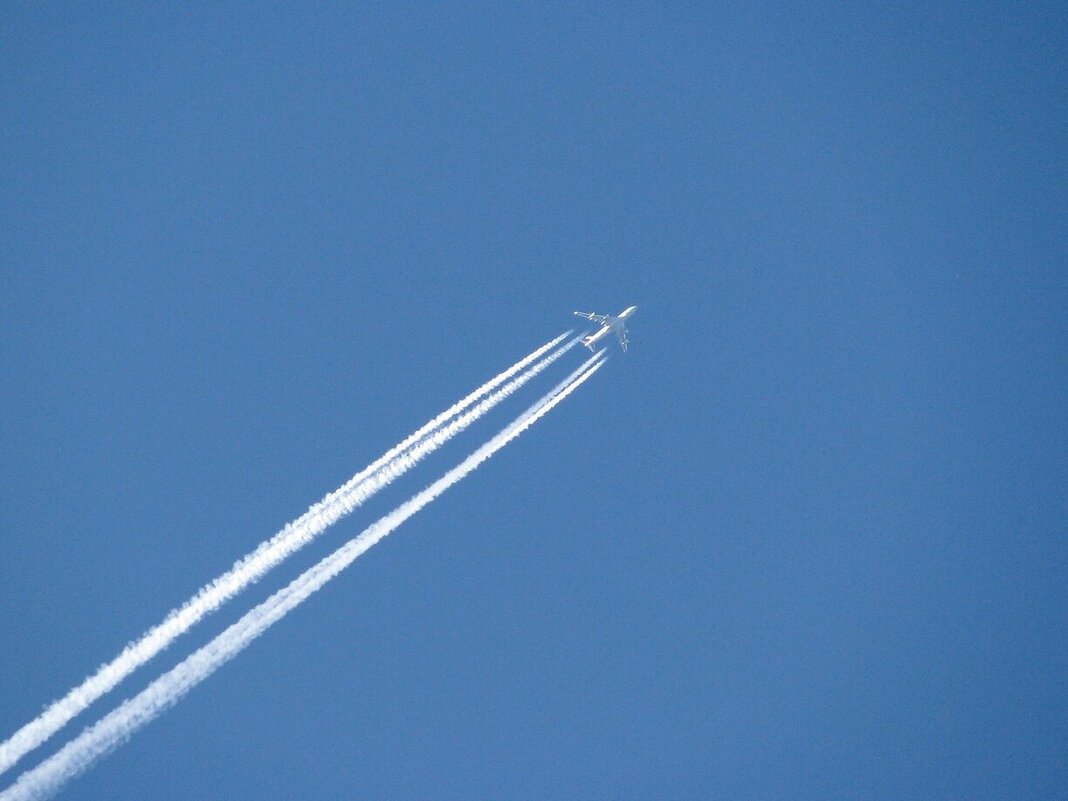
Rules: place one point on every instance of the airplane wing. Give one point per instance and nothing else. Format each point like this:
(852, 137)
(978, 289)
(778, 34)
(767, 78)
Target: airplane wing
(623, 341)
(597, 318)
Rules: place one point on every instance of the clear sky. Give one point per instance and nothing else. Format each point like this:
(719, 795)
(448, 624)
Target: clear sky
(807, 540)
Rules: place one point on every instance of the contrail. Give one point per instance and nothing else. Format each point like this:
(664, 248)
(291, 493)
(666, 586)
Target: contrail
(411, 457)
(271, 552)
(119, 725)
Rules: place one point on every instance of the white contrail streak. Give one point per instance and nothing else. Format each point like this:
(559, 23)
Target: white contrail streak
(273, 551)
(119, 725)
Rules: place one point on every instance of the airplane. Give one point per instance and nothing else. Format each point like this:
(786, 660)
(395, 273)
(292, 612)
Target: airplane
(609, 325)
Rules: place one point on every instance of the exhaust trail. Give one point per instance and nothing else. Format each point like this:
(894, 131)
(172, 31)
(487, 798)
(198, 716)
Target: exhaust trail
(271, 552)
(116, 727)
(408, 459)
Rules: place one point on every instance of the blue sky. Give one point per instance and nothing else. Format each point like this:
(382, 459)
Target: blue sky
(806, 540)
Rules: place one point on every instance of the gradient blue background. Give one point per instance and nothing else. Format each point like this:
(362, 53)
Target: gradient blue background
(806, 541)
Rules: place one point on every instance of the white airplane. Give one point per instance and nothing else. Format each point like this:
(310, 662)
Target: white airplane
(609, 325)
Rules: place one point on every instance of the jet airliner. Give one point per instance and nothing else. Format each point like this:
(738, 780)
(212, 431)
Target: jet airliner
(609, 325)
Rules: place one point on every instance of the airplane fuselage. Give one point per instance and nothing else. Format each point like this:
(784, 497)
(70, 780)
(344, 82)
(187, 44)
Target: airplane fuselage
(597, 336)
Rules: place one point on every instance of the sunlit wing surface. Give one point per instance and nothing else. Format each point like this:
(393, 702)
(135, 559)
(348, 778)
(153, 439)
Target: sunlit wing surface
(596, 318)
